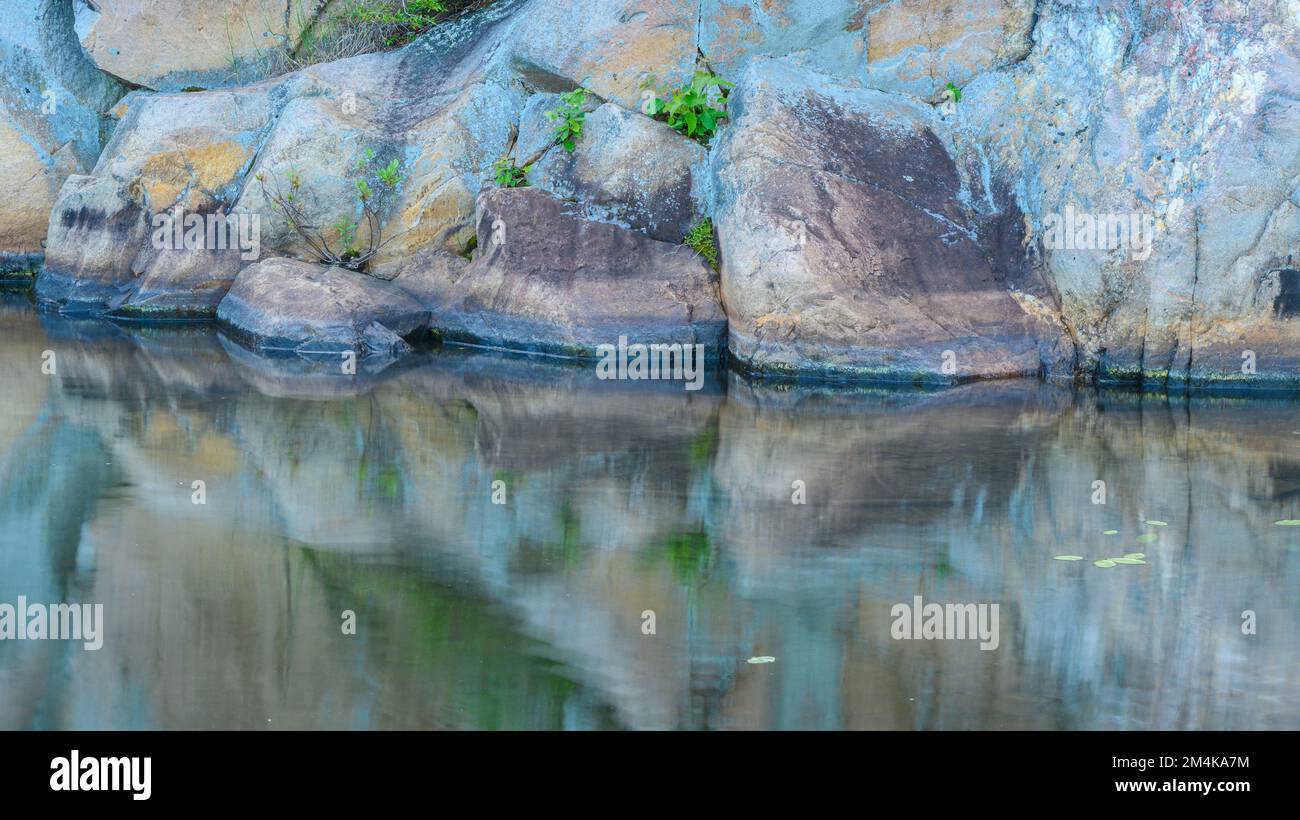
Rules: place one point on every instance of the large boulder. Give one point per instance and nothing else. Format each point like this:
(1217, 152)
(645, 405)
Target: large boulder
(433, 107)
(53, 121)
(173, 45)
(288, 306)
(847, 249)
(1184, 123)
(172, 158)
(546, 280)
(627, 169)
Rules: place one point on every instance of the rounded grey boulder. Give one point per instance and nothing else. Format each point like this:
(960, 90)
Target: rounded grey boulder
(289, 306)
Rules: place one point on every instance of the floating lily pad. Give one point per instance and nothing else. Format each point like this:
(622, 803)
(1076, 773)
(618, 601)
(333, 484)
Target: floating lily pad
(1128, 560)
(761, 659)
(1105, 563)
(1148, 538)
(1111, 532)
(1138, 555)
(1158, 523)
(1288, 522)
(1067, 557)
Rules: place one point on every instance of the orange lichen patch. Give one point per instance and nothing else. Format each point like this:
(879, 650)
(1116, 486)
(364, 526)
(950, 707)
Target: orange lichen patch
(931, 26)
(736, 29)
(618, 70)
(209, 167)
(780, 322)
(429, 215)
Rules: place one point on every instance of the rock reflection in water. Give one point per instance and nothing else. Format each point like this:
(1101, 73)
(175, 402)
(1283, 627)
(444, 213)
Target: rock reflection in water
(373, 493)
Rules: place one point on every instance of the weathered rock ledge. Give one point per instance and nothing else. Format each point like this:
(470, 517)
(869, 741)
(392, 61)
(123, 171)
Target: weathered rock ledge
(545, 280)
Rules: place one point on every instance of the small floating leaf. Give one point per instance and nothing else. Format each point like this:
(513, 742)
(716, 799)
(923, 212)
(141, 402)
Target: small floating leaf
(1288, 522)
(1105, 563)
(1135, 555)
(1148, 538)
(1111, 532)
(1128, 560)
(1158, 523)
(1067, 557)
(761, 659)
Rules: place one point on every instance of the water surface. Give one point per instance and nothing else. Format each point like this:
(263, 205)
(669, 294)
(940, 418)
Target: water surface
(327, 493)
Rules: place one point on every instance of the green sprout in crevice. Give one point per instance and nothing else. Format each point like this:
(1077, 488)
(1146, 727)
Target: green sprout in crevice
(570, 118)
(952, 92)
(510, 175)
(700, 239)
(692, 110)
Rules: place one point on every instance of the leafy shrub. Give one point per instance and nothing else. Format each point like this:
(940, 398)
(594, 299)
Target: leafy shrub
(700, 240)
(376, 186)
(570, 117)
(509, 175)
(690, 109)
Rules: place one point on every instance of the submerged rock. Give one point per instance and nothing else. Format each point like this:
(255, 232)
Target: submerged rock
(284, 305)
(846, 246)
(546, 280)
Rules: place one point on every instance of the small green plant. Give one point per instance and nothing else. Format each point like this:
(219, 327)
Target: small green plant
(691, 109)
(700, 240)
(954, 93)
(570, 117)
(375, 186)
(509, 175)
(470, 247)
(345, 230)
(389, 174)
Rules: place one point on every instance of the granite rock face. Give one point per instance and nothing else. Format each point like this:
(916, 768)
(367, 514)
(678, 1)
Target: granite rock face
(53, 121)
(915, 47)
(1184, 124)
(1112, 197)
(847, 247)
(546, 280)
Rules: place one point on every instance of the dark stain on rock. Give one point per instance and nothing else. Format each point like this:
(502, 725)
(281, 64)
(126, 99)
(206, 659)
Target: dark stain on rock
(82, 218)
(1287, 303)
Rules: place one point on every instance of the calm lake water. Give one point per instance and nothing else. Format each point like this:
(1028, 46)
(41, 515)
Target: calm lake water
(327, 493)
